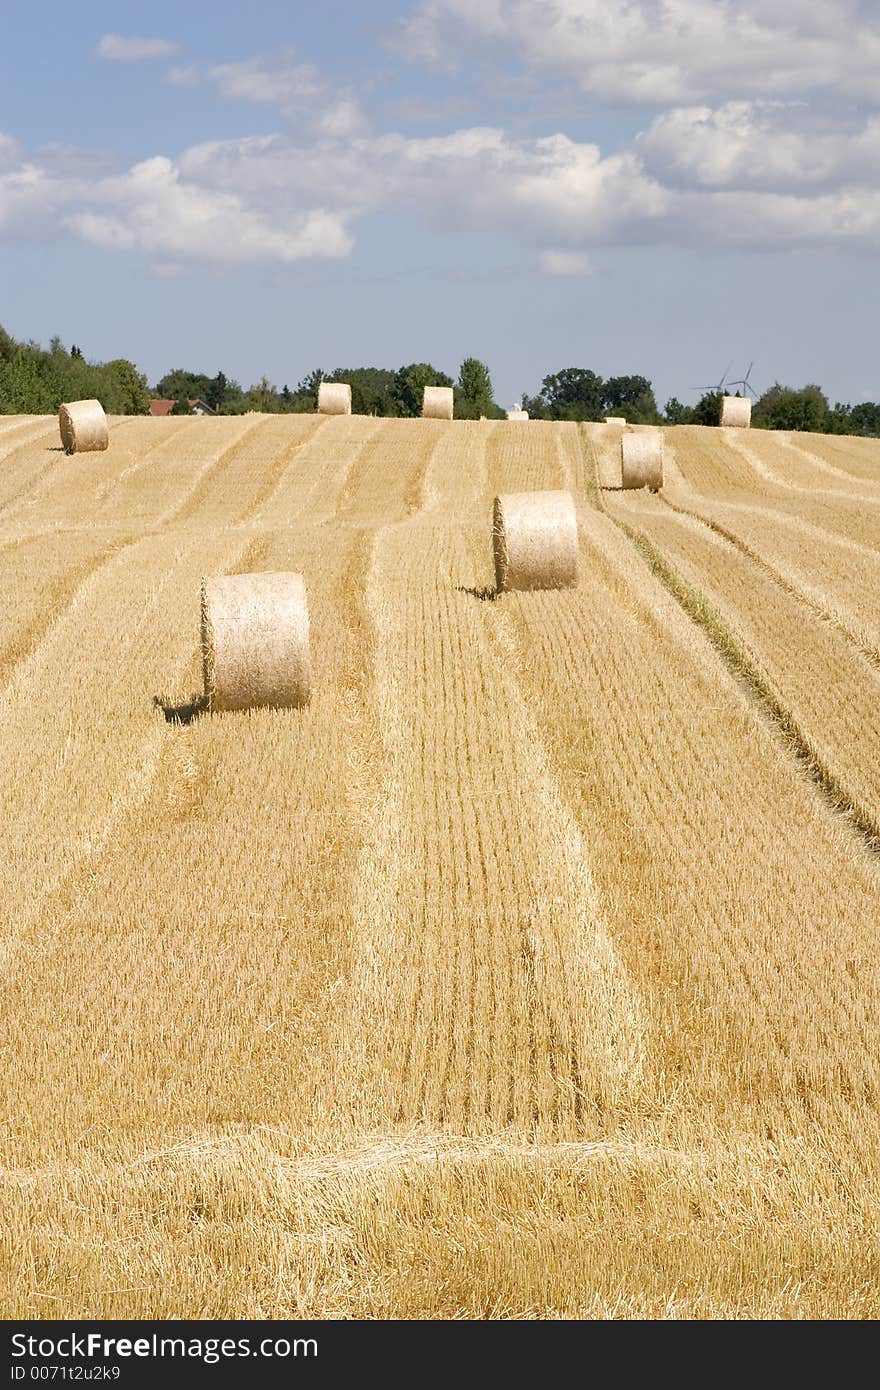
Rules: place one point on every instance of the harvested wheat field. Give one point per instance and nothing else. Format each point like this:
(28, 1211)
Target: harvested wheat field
(531, 969)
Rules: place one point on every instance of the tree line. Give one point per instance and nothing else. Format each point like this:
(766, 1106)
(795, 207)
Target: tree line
(374, 390)
(35, 380)
(786, 408)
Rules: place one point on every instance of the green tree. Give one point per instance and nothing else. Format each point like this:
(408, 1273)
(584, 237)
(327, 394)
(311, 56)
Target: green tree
(784, 408)
(410, 383)
(23, 390)
(840, 419)
(473, 396)
(536, 407)
(181, 406)
(127, 392)
(8, 346)
(264, 396)
(409, 386)
(678, 414)
(707, 410)
(632, 397)
(575, 393)
(36, 380)
(862, 419)
(865, 418)
(306, 392)
(372, 389)
(180, 382)
(216, 392)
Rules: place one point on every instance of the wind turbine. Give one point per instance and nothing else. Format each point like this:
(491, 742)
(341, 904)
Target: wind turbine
(719, 388)
(745, 383)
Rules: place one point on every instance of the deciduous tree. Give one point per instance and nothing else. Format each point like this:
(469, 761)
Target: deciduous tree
(410, 383)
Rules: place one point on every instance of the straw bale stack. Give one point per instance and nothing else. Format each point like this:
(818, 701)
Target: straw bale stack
(614, 420)
(255, 641)
(535, 541)
(517, 415)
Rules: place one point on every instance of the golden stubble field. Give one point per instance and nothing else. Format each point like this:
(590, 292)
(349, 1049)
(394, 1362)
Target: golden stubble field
(532, 970)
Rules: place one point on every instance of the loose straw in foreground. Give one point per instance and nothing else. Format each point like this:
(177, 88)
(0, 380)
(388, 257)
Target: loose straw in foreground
(535, 540)
(83, 427)
(334, 398)
(736, 411)
(437, 403)
(255, 641)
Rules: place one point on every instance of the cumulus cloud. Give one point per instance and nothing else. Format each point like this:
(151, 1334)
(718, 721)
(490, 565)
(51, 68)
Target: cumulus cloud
(157, 211)
(275, 81)
(559, 195)
(744, 172)
(34, 194)
(295, 89)
(342, 120)
(772, 146)
(664, 51)
(273, 198)
(770, 221)
(118, 49)
(551, 188)
(566, 263)
(109, 232)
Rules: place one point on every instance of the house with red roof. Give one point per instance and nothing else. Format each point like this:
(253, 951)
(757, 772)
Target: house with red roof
(161, 407)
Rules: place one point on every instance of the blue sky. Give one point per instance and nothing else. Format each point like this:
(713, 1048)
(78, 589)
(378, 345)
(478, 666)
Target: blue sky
(661, 187)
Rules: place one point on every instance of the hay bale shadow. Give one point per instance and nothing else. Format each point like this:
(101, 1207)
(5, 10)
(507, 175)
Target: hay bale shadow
(181, 712)
(487, 594)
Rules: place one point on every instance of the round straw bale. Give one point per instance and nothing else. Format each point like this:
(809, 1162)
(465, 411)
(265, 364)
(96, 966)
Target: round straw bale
(437, 403)
(614, 420)
(83, 426)
(535, 540)
(641, 456)
(334, 398)
(517, 415)
(736, 411)
(255, 641)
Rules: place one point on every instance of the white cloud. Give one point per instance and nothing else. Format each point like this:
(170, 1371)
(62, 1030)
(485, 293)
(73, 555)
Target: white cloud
(343, 120)
(554, 192)
(771, 146)
(743, 173)
(296, 89)
(664, 51)
(552, 189)
(275, 81)
(772, 221)
(182, 77)
(566, 263)
(169, 218)
(10, 150)
(31, 200)
(118, 49)
(108, 232)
